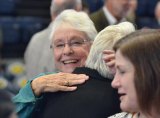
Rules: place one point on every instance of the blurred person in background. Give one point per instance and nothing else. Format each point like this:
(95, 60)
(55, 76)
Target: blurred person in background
(157, 14)
(72, 34)
(85, 7)
(38, 56)
(113, 12)
(7, 109)
(131, 14)
(1, 40)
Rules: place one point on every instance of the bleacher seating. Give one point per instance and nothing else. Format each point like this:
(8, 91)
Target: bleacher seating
(146, 8)
(147, 22)
(7, 7)
(10, 30)
(31, 25)
(19, 20)
(145, 14)
(38, 8)
(17, 33)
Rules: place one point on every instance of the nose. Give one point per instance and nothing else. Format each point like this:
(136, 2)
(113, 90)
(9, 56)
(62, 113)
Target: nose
(67, 50)
(116, 82)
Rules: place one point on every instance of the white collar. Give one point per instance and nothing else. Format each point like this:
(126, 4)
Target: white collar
(111, 19)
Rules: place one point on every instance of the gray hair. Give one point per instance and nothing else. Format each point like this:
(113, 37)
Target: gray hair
(78, 20)
(105, 41)
(57, 7)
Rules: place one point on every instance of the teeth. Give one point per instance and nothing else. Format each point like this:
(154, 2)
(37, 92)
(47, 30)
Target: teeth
(69, 61)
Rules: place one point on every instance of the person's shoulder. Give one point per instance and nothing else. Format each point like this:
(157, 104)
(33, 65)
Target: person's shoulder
(40, 37)
(121, 115)
(41, 33)
(96, 14)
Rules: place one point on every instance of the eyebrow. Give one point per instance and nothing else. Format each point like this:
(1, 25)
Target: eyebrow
(58, 40)
(119, 66)
(72, 38)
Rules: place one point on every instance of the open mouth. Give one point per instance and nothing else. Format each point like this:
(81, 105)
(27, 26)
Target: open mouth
(70, 61)
(121, 95)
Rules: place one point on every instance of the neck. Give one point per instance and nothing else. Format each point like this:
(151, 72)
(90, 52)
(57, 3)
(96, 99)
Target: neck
(138, 115)
(141, 115)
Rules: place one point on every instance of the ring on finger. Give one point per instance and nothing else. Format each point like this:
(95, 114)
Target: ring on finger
(67, 83)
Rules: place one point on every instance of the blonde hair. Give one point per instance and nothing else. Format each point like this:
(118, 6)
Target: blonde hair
(105, 41)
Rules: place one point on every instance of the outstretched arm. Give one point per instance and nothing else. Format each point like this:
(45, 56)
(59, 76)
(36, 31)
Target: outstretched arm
(28, 96)
(57, 82)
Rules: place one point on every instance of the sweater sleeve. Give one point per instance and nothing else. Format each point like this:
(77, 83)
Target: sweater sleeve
(25, 100)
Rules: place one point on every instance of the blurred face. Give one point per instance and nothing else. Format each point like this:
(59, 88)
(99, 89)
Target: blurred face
(71, 48)
(118, 8)
(133, 5)
(157, 11)
(124, 82)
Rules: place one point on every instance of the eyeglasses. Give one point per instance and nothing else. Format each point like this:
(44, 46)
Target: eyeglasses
(76, 43)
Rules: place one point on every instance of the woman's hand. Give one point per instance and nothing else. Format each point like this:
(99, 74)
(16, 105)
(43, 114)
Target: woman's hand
(57, 82)
(109, 58)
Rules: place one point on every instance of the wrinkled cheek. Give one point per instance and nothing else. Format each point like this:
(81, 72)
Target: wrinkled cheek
(83, 63)
(83, 60)
(57, 56)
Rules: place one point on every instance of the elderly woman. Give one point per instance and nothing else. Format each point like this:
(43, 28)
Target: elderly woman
(137, 75)
(96, 98)
(71, 38)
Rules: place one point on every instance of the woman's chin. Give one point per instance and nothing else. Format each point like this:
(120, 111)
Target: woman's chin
(123, 107)
(68, 69)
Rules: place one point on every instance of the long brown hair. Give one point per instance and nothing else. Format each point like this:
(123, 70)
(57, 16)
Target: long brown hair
(142, 48)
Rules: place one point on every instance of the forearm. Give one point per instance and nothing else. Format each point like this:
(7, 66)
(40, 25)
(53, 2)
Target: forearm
(25, 94)
(57, 82)
(25, 100)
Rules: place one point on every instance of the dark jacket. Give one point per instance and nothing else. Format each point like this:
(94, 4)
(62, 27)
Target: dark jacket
(99, 20)
(94, 99)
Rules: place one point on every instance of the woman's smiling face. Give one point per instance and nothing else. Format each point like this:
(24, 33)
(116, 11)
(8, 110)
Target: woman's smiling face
(71, 48)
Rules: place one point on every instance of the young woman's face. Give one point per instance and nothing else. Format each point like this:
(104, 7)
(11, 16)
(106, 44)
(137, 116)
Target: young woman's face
(71, 48)
(124, 82)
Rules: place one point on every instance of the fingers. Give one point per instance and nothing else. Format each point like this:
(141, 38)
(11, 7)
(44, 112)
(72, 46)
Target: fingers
(108, 52)
(63, 82)
(65, 88)
(109, 57)
(58, 87)
(74, 82)
(70, 76)
(62, 85)
(69, 82)
(111, 63)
